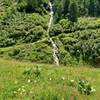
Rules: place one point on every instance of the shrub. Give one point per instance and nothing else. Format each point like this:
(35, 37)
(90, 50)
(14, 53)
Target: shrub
(65, 24)
(85, 87)
(14, 52)
(7, 42)
(82, 45)
(35, 34)
(37, 71)
(71, 83)
(56, 30)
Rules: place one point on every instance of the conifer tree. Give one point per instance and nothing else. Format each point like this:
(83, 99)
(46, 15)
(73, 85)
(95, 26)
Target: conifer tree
(91, 9)
(73, 12)
(66, 7)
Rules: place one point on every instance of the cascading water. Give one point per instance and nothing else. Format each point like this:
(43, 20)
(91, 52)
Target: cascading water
(55, 49)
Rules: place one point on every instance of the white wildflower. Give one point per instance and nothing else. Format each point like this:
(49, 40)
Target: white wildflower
(23, 90)
(31, 92)
(29, 81)
(50, 79)
(35, 81)
(19, 89)
(93, 90)
(16, 82)
(72, 81)
(63, 78)
(23, 86)
(15, 92)
(21, 93)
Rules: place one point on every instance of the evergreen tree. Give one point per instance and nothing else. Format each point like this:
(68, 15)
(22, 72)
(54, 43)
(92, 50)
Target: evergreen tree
(65, 7)
(58, 10)
(73, 12)
(98, 8)
(91, 10)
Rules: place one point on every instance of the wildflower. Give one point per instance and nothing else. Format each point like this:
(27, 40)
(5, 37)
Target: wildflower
(23, 90)
(29, 81)
(63, 78)
(35, 81)
(15, 92)
(16, 81)
(21, 93)
(31, 92)
(23, 86)
(19, 89)
(50, 79)
(62, 99)
(72, 81)
(93, 90)
(39, 69)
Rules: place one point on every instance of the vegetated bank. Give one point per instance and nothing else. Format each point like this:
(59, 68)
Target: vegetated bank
(23, 32)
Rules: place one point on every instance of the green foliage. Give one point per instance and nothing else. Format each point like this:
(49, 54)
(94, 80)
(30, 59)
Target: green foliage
(19, 82)
(85, 87)
(82, 45)
(71, 83)
(56, 30)
(73, 12)
(65, 24)
(30, 6)
(34, 34)
(7, 42)
(37, 71)
(26, 21)
(23, 28)
(14, 52)
(39, 52)
(66, 7)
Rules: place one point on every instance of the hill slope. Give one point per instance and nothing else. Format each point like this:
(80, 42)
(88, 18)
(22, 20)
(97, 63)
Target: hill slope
(23, 34)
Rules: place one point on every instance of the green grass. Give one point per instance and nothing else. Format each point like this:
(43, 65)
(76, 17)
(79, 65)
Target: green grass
(14, 85)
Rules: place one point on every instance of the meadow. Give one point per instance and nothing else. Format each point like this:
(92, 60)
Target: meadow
(22, 81)
(27, 54)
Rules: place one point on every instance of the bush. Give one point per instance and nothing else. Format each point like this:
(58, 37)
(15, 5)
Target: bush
(7, 42)
(83, 45)
(14, 52)
(56, 30)
(34, 34)
(65, 24)
(37, 71)
(31, 6)
(85, 87)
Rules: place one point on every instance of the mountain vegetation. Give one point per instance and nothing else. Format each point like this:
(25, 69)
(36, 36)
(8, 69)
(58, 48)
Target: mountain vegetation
(37, 36)
(75, 30)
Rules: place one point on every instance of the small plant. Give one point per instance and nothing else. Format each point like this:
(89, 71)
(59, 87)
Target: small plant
(14, 52)
(71, 83)
(85, 87)
(27, 71)
(37, 71)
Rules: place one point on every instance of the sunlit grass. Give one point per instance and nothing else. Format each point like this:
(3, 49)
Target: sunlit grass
(14, 85)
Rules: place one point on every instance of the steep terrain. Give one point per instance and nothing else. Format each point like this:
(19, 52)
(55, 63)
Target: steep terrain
(24, 32)
(36, 36)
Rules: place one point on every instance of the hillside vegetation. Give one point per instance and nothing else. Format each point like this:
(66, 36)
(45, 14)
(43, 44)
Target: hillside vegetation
(75, 30)
(49, 49)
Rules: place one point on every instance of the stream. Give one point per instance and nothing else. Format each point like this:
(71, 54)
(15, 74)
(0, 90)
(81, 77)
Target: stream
(54, 46)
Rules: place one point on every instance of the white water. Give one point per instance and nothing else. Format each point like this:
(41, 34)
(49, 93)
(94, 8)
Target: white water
(55, 49)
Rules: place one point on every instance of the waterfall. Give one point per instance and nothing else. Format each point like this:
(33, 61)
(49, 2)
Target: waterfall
(55, 48)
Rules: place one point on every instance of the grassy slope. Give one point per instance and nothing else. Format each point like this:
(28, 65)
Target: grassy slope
(12, 79)
(18, 30)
